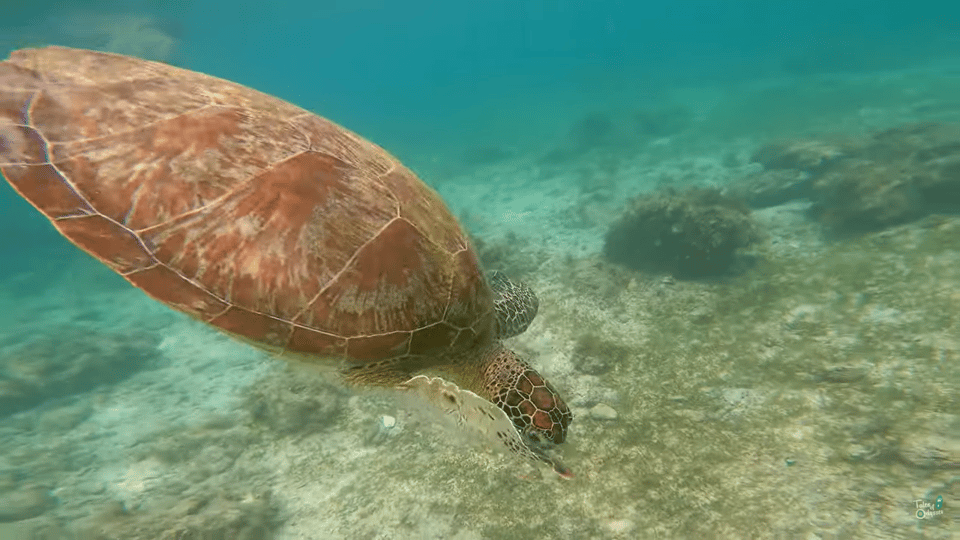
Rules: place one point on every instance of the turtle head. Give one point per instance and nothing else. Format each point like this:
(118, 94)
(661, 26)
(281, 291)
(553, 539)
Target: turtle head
(531, 403)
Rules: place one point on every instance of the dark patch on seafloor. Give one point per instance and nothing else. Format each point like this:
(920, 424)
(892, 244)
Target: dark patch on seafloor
(862, 184)
(67, 361)
(692, 234)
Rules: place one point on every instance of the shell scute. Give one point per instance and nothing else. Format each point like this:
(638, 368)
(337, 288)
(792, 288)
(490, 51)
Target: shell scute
(150, 174)
(116, 246)
(92, 110)
(376, 347)
(394, 281)
(21, 144)
(44, 187)
(258, 327)
(325, 137)
(433, 339)
(309, 341)
(169, 287)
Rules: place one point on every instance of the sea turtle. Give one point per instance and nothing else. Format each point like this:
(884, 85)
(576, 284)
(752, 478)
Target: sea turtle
(274, 225)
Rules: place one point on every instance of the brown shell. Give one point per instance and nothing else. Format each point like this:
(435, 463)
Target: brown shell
(240, 209)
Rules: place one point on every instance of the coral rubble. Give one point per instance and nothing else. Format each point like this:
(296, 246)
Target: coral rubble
(879, 180)
(691, 234)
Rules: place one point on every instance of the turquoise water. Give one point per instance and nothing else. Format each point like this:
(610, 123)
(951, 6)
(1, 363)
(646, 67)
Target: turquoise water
(740, 218)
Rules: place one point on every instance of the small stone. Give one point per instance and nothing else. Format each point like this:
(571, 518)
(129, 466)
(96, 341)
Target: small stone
(602, 411)
(386, 427)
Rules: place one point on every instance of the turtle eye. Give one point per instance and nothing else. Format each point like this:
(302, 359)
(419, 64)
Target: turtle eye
(531, 436)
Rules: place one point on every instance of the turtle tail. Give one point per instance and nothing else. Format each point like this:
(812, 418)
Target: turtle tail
(515, 303)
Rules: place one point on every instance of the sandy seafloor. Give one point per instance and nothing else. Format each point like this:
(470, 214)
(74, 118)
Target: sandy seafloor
(813, 396)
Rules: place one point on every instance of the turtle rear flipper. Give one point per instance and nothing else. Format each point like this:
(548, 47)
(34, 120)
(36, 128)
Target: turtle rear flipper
(515, 303)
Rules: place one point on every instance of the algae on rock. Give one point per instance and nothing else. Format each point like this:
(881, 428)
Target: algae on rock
(691, 234)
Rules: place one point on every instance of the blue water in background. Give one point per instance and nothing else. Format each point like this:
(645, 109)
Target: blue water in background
(427, 73)
(437, 73)
(428, 78)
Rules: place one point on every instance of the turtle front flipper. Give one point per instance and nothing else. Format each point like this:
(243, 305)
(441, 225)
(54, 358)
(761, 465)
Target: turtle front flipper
(472, 412)
(515, 303)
